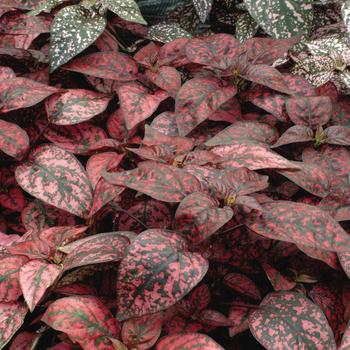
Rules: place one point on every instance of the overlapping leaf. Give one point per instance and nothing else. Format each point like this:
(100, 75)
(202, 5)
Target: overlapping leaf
(126, 9)
(155, 258)
(57, 178)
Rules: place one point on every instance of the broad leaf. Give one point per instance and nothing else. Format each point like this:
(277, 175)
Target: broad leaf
(16, 93)
(126, 9)
(10, 289)
(35, 277)
(197, 99)
(143, 332)
(57, 178)
(166, 33)
(301, 224)
(291, 321)
(75, 106)
(72, 31)
(11, 319)
(14, 141)
(282, 18)
(296, 133)
(84, 318)
(167, 78)
(203, 8)
(199, 216)
(95, 249)
(61, 235)
(163, 182)
(188, 341)
(155, 258)
(137, 103)
(106, 65)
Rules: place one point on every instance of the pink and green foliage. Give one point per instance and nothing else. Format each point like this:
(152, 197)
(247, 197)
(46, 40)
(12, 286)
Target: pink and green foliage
(166, 185)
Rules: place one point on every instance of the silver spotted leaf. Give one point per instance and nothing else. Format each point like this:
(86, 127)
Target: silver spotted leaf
(72, 31)
(282, 18)
(126, 9)
(165, 32)
(345, 11)
(246, 27)
(203, 8)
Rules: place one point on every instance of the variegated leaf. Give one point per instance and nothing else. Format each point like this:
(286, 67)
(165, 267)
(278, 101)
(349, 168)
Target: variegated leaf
(126, 9)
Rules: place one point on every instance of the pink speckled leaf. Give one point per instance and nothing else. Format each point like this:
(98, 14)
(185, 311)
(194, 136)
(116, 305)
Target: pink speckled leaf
(199, 216)
(197, 99)
(242, 284)
(106, 65)
(344, 259)
(20, 23)
(251, 155)
(56, 177)
(239, 316)
(137, 103)
(296, 133)
(12, 316)
(35, 277)
(84, 319)
(60, 235)
(254, 131)
(300, 223)
(143, 332)
(75, 106)
(188, 341)
(309, 111)
(160, 181)
(213, 318)
(76, 139)
(345, 343)
(12, 198)
(96, 249)
(288, 320)
(33, 249)
(338, 135)
(19, 93)
(167, 78)
(10, 289)
(14, 141)
(100, 162)
(156, 257)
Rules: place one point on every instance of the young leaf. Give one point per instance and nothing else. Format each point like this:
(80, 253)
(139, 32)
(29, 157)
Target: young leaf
(35, 277)
(75, 106)
(291, 321)
(282, 18)
(301, 224)
(96, 249)
(143, 332)
(106, 65)
(11, 319)
(160, 181)
(137, 104)
(203, 8)
(239, 316)
(156, 257)
(14, 141)
(57, 178)
(84, 318)
(199, 216)
(126, 9)
(72, 31)
(197, 99)
(187, 341)
(16, 93)
(242, 284)
(10, 289)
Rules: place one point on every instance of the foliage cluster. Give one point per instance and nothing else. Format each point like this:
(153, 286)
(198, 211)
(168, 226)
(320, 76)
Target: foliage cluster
(165, 184)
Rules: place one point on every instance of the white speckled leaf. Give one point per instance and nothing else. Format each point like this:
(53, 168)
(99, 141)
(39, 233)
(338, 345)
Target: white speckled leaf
(282, 18)
(126, 9)
(167, 32)
(345, 12)
(73, 30)
(246, 27)
(203, 8)
(327, 45)
(47, 6)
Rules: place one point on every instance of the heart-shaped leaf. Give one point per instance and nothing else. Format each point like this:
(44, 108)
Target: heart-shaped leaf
(95, 249)
(106, 65)
(75, 106)
(57, 178)
(301, 224)
(84, 318)
(73, 30)
(292, 320)
(35, 277)
(188, 341)
(154, 258)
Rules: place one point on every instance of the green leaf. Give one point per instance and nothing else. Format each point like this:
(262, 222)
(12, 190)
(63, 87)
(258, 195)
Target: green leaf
(126, 9)
(345, 12)
(246, 27)
(167, 32)
(282, 18)
(47, 6)
(73, 30)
